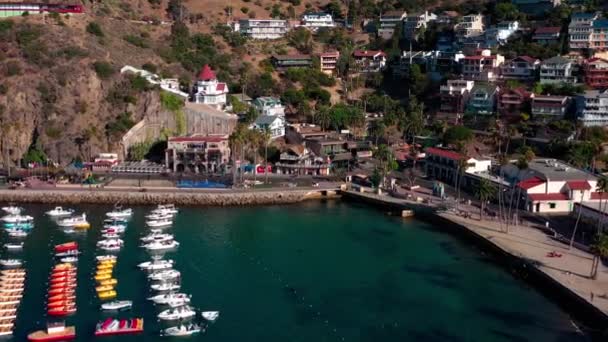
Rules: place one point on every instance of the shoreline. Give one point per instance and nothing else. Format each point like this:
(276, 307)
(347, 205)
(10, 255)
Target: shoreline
(546, 279)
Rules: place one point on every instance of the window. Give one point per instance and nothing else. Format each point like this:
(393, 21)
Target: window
(552, 205)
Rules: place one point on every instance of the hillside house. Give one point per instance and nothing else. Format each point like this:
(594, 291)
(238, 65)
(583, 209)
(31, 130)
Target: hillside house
(443, 164)
(269, 106)
(596, 73)
(197, 153)
(454, 97)
(549, 107)
(483, 66)
(388, 21)
(557, 70)
(274, 124)
(521, 68)
(284, 62)
(470, 26)
(513, 102)
(547, 35)
(317, 20)
(482, 100)
(208, 90)
(262, 28)
(328, 61)
(592, 108)
(580, 30)
(415, 22)
(369, 60)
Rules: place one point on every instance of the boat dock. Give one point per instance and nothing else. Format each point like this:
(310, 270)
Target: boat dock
(525, 250)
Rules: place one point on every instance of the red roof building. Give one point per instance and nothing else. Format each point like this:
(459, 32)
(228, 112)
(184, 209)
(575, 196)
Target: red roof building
(596, 73)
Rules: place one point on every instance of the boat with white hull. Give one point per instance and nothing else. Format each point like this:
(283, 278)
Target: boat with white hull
(120, 213)
(11, 262)
(156, 265)
(165, 287)
(211, 316)
(182, 330)
(12, 210)
(59, 212)
(164, 299)
(159, 223)
(157, 237)
(74, 221)
(117, 305)
(160, 246)
(14, 246)
(182, 312)
(17, 218)
(164, 275)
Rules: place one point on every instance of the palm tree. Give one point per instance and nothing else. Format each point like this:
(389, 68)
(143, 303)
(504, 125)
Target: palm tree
(601, 187)
(387, 161)
(484, 192)
(600, 250)
(236, 140)
(266, 139)
(462, 167)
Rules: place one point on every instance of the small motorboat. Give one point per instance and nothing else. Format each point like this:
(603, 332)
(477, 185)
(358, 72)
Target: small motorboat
(164, 275)
(69, 259)
(74, 221)
(160, 246)
(111, 248)
(120, 213)
(156, 265)
(110, 236)
(11, 262)
(159, 223)
(181, 312)
(18, 226)
(157, 238)
(108, 242)
(211, 316)
(12, 210)
(159, 217)
(117, 305)
(119, 327)
(165, 209)
(106, 257)
(17, 233)
(182, 330)
(59, 212)
(68, 246)
(169, 297)
(14, 246)
(53, 332)
(165, 287)
(17, 218)
(67, 254)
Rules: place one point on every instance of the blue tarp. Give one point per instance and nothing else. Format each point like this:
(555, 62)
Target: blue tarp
(200, 184)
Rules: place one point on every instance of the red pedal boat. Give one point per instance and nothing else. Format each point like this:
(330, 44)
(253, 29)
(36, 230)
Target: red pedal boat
(62, 311)
(64, 247)
(119, 327)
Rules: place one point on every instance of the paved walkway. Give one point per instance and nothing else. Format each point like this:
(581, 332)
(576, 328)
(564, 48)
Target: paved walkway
(572, 269)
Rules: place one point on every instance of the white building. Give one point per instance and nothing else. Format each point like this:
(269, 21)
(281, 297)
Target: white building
(208, 90)
(273, 123)
(551, 186)
(580, 30)
(270, 106)
(557, 70)
(483, 66)
(415, 22)
(522, 68)
(470, 26)
(317, 20)
(388, 21)
(499, 34)
(262, 28)
(593, 108)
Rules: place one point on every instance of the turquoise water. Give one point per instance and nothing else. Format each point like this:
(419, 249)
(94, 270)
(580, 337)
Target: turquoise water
(312, 272)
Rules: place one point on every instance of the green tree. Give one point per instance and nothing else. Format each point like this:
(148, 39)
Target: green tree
(95, 29)
(417, 80)
(386, 162)
(600, 250)
(301, 39)
(353, 14)
(456, 135)
(484, 192)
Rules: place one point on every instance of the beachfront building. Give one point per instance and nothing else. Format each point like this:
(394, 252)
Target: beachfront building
(580, 30)
(388, 21)
(368, 61)
(521, 68)
(274, 124)
(484, 66)
(208, 90)
(596, 73)
(270, 106)
(298, 160)
(513, 102)
(470, 26)
(550, 185)
(547, 35)
(454, 96)
(592, 108)
(482, 100)
(557, 70)
(416, 22)
(284, 62)
(316, 20)
(197, 153)
(549, 107)
(443, 164)
(262, 28)
(328, 61)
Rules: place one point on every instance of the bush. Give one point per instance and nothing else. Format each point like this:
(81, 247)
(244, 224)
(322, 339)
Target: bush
(103, 69)
(13, 68)
(28, 34)
(137, 41)
(244, 10)
(71, 52)
(95, 29)
(150, 67)
(120, 125)
(3, 89)
(171, 102)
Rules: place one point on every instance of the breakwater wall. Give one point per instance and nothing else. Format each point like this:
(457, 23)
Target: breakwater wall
(183, 198)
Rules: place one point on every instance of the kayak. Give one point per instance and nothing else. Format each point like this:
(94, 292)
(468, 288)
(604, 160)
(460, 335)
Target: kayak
(107, 294)
(103, 277)
(110, 281)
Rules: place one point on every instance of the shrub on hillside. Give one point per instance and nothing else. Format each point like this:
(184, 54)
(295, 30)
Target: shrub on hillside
(95, 29)
(103, 69)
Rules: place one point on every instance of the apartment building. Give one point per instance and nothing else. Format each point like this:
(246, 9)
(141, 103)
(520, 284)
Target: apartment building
(328, 61)
(596, 73)
(549, 107)
(592, 108)
(388, 21)
(580, 30)
(454, 97)
(557, 70)
(470, 26)
(521, 68)
(262, 28)
(483, 66)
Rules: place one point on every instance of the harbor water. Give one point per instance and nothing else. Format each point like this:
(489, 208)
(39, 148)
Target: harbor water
(317, 271)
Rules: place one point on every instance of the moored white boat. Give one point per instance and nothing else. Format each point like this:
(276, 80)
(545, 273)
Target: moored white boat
(60, 211)
(159, 223)
(165, 287)
(105, 257)
(109, 242)
(165, 209)
(17, 218)
(11, 262)
(182, 330)
(161, 245)
(117, 305)
(156, 265)
(120, 213)
(164, 275)
(170, 297)
(12, 210)
(155, 237)
(17, 233)
(210, 315)
(14, 246)
(181, 312)
(69, 260)
(74, 221)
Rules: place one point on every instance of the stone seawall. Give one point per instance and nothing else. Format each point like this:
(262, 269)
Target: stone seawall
(216, 198)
